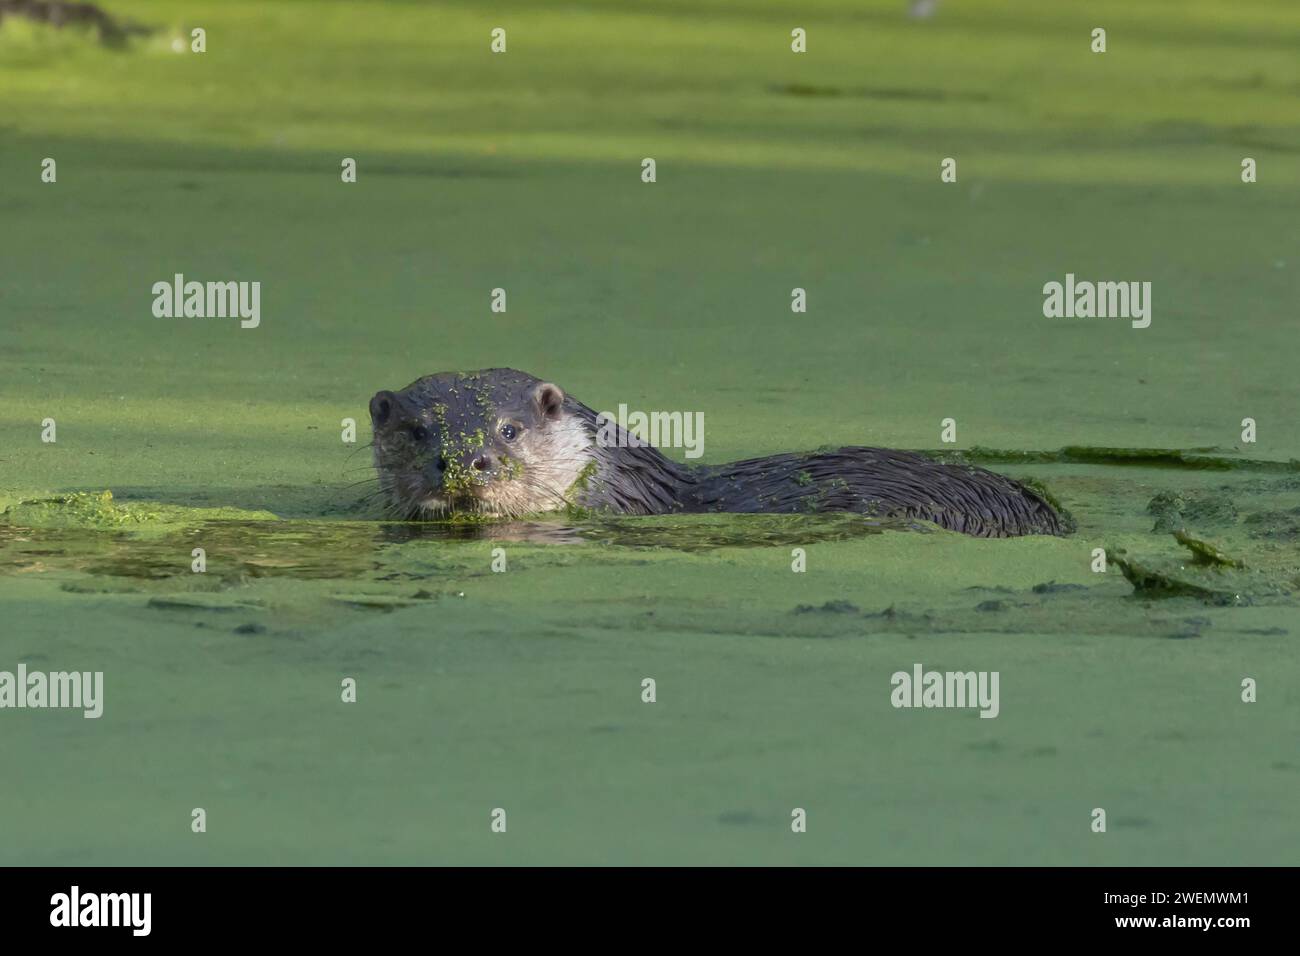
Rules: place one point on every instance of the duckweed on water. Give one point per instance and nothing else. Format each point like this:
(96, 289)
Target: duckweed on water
(1205, 553)
(528, 685)
(101, 511)
(1153, 582)
(1174, 510)
(235, 549)
(708, 532)
(92, 533)
(78, 510)
(1208, 458)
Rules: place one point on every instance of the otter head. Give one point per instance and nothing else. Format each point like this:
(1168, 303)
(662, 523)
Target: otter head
(495, 442)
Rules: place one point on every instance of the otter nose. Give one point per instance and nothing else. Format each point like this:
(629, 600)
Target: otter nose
(476, 462)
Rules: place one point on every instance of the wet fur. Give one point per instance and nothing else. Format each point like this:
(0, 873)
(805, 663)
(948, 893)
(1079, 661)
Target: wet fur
(561, 464)
(60, 13)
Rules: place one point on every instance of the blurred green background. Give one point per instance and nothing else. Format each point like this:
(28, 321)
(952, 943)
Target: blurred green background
(522, 171)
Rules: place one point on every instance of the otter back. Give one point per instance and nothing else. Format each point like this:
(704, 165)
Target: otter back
(880, 482)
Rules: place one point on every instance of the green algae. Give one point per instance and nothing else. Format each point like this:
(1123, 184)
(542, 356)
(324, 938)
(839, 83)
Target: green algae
(1208, 459)
(525, 690)
(414, 611)
(466, 518)
(1210, 577)
(241, 545)
(235, 549)
(1274, 525)
(1175, 510)
(79, 509)
(693, 533)
(100, 510)
(1205, 553)
(1152, 582)
(580, 486)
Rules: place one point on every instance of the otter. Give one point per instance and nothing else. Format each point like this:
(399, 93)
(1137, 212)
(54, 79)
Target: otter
(61, 13)
(505, 443)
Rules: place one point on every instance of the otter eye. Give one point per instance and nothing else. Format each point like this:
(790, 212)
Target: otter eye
(419, 432)
(509, 432)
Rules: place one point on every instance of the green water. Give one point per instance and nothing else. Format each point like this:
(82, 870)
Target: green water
(522, 689)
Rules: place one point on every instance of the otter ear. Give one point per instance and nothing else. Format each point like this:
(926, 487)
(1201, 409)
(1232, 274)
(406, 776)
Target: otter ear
(548, 398)
(382, 407)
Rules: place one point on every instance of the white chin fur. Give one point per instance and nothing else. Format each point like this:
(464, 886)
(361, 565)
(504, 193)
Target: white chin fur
(436, 506)
(433, 503)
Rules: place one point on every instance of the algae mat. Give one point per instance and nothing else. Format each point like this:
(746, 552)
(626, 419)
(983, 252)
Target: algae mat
(522, 690)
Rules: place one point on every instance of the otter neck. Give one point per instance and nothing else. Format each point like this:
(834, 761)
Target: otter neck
(625, 474)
